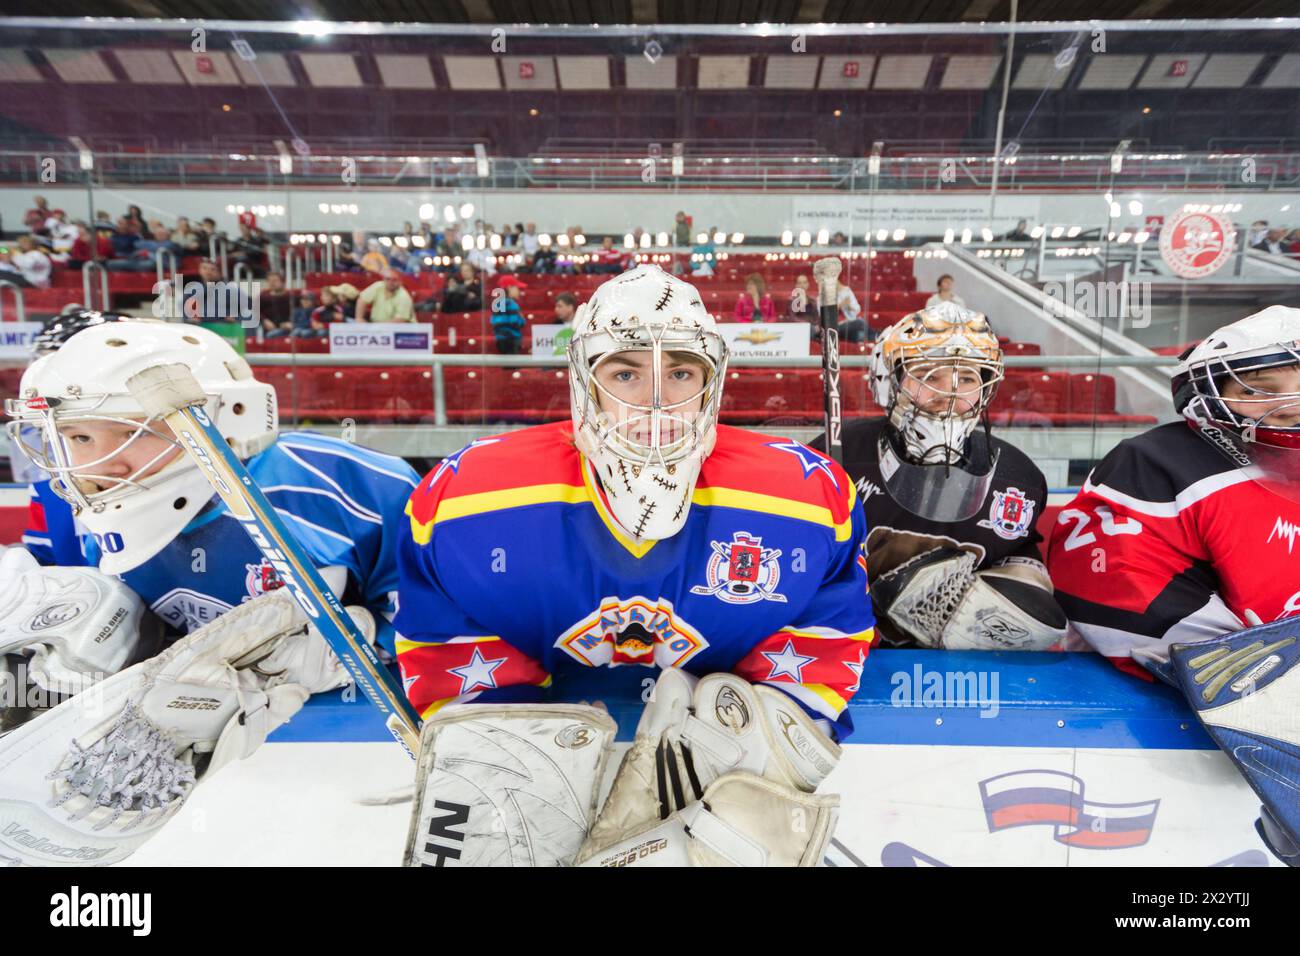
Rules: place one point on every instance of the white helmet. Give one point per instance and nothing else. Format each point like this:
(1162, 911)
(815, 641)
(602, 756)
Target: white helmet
(647, 456)
(135, 516)
(925, 348)
(1266, 340)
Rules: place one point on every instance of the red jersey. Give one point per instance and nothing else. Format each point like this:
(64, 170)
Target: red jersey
(1170, 541)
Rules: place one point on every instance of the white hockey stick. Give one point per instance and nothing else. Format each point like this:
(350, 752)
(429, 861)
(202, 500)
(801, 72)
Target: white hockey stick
(172, 393)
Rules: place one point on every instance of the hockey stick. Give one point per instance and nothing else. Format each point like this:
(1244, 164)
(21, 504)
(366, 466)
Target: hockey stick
(171, 392)
(827, 274)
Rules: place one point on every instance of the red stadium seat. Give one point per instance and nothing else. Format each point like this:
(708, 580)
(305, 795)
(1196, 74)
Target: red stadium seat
(1091, 392)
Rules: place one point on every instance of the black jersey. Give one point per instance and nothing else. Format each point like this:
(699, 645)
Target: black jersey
(1002, 532)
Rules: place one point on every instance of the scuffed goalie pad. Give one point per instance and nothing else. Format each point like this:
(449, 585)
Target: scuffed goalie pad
(508, 785)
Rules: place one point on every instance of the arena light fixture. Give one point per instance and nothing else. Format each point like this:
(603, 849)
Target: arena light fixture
(426, 211)
(645, 240)
(467, 243)
(494, 241)
(562, 239)
(314, 28)
(787, 237)
(1037, 232)
(628, 241)
(805, 238)
(1142, 236)
(737, 238)
(1135, 207)
(466, 210)
(1073, 231)
(987, 233)
(482, 169)
(678, 163)
(661, 239)
(720, 237)
(449, 213)
(401, 242)
(85, 158)
(1058, 231)
(823, 236)
(580, 239)
(1117, 157)
(701, 238)
(881, 235)
(948, 235)
(417, 241)
(544, 240)
(1125, 236)
(873, 163)
(900, 235)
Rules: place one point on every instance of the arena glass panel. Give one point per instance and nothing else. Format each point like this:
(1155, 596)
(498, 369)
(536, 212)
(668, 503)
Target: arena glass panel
(1098, 192)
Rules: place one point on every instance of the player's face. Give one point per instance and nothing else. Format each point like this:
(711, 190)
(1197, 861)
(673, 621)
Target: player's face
(625, 381)
(943, 389)
(1271, 395)
(103, 453)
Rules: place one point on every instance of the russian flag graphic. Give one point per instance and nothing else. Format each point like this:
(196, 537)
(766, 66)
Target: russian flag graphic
(1054, 798)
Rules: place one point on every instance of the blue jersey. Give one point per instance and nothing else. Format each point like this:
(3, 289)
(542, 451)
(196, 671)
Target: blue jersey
(344, 505)
(514, 570)
(53, 535)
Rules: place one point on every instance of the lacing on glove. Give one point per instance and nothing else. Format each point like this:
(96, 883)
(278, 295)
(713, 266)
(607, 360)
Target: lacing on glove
(933, 608)
(132, 768)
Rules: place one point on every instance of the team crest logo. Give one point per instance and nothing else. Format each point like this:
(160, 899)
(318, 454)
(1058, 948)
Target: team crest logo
(260, 578)
(742, 571)
(635, 630)
(1010, 515)
(1196, 244)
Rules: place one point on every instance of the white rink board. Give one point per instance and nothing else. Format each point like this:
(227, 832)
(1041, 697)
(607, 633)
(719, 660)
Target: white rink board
(299, 804)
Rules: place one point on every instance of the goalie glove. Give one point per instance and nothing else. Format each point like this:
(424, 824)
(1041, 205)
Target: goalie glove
(940, 600)
(78, 625)
(95, 777)
(722, 757)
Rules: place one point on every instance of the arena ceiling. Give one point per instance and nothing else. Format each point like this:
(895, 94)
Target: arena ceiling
(659, 11)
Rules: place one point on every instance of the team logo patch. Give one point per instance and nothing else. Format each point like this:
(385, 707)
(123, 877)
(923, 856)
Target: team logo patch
(188, 610)
(742, 571)
(1010, 515)
(260, 578)
(632, 631)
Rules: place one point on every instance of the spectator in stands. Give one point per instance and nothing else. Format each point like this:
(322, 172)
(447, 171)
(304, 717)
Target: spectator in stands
(123, 239)
(839, 239)
(334, 304)
(606, 259)
(681, 230)
(945, 293)
(754, 304)
(104, 222)
(27, 266)
(205, 304)
(1018, 234)
(702, 255)
(34, 218)
(566, 304)
(386, 300)
(1273, 242)
(276, 306)
(144, 254)
(1293, 242)
(89, 246)
(249, 248)
(207, 229)
(303, 327)
(135, 220)
(484, 260)
(802, 307)
(507, 319)
(61, 232)
(374, 260)
(528, 242)
(464, 291)
(852, 327)
(186, 239)
(1258, 230)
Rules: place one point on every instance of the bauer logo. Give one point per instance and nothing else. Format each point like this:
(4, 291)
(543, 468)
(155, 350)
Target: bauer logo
(99, 910)
(1257, 673)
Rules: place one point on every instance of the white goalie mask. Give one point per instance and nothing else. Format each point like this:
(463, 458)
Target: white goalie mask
(935, 373)
(646, 367)
(125, 475)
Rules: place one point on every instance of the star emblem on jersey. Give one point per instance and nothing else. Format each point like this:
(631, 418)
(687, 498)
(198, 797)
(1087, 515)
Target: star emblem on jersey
(856, 667)
(452, 462)
(809, 459)
(787, 663)
(742, 571)
(1010, 515)
(477, 673)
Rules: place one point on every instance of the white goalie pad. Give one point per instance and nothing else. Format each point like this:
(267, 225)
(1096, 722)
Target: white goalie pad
(742, 820)
(941, 601)
(89, 781)
(78, 624)
(693, 733)
(507, 784)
